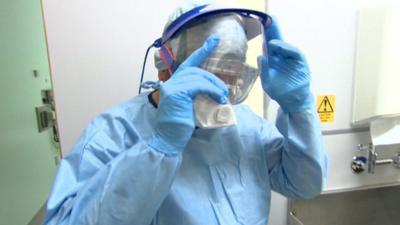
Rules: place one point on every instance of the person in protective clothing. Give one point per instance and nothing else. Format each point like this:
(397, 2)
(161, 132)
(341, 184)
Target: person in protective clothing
(145, 162)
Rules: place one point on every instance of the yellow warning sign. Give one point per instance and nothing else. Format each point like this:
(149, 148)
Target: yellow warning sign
(326, 108)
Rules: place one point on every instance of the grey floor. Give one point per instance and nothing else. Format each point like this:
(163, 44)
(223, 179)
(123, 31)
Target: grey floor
(366, 207)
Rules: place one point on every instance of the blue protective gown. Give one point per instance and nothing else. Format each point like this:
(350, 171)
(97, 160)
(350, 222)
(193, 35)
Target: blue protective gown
(224, 176)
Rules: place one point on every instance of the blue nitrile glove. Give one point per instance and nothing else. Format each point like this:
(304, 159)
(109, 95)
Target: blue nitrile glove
(284, 73)
(175, 120)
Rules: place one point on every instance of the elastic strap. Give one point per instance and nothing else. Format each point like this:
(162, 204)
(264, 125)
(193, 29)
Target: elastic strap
(168, 58)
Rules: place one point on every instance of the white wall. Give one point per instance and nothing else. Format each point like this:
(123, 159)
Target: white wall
(325, 30)
(96, 50)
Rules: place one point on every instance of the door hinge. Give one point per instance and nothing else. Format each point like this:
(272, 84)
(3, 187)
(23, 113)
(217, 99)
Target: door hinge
(46, 115)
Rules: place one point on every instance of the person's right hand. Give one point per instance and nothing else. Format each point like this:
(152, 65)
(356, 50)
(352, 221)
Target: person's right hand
(175, 121)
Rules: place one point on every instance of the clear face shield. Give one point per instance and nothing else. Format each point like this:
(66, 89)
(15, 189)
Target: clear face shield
(234, 61)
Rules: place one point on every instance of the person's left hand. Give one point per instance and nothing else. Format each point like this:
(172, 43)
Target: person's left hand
(284, 73)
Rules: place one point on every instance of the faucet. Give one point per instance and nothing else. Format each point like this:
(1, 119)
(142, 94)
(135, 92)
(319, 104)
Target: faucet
(359, 163)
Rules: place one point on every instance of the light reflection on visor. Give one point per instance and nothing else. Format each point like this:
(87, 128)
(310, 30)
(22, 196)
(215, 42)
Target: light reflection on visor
(238, 76)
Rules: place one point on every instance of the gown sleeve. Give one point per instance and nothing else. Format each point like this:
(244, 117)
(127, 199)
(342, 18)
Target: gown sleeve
(294, 153)
(111, 176)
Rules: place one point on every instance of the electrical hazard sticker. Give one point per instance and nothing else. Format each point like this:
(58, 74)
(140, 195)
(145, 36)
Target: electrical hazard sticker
(326, 108)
